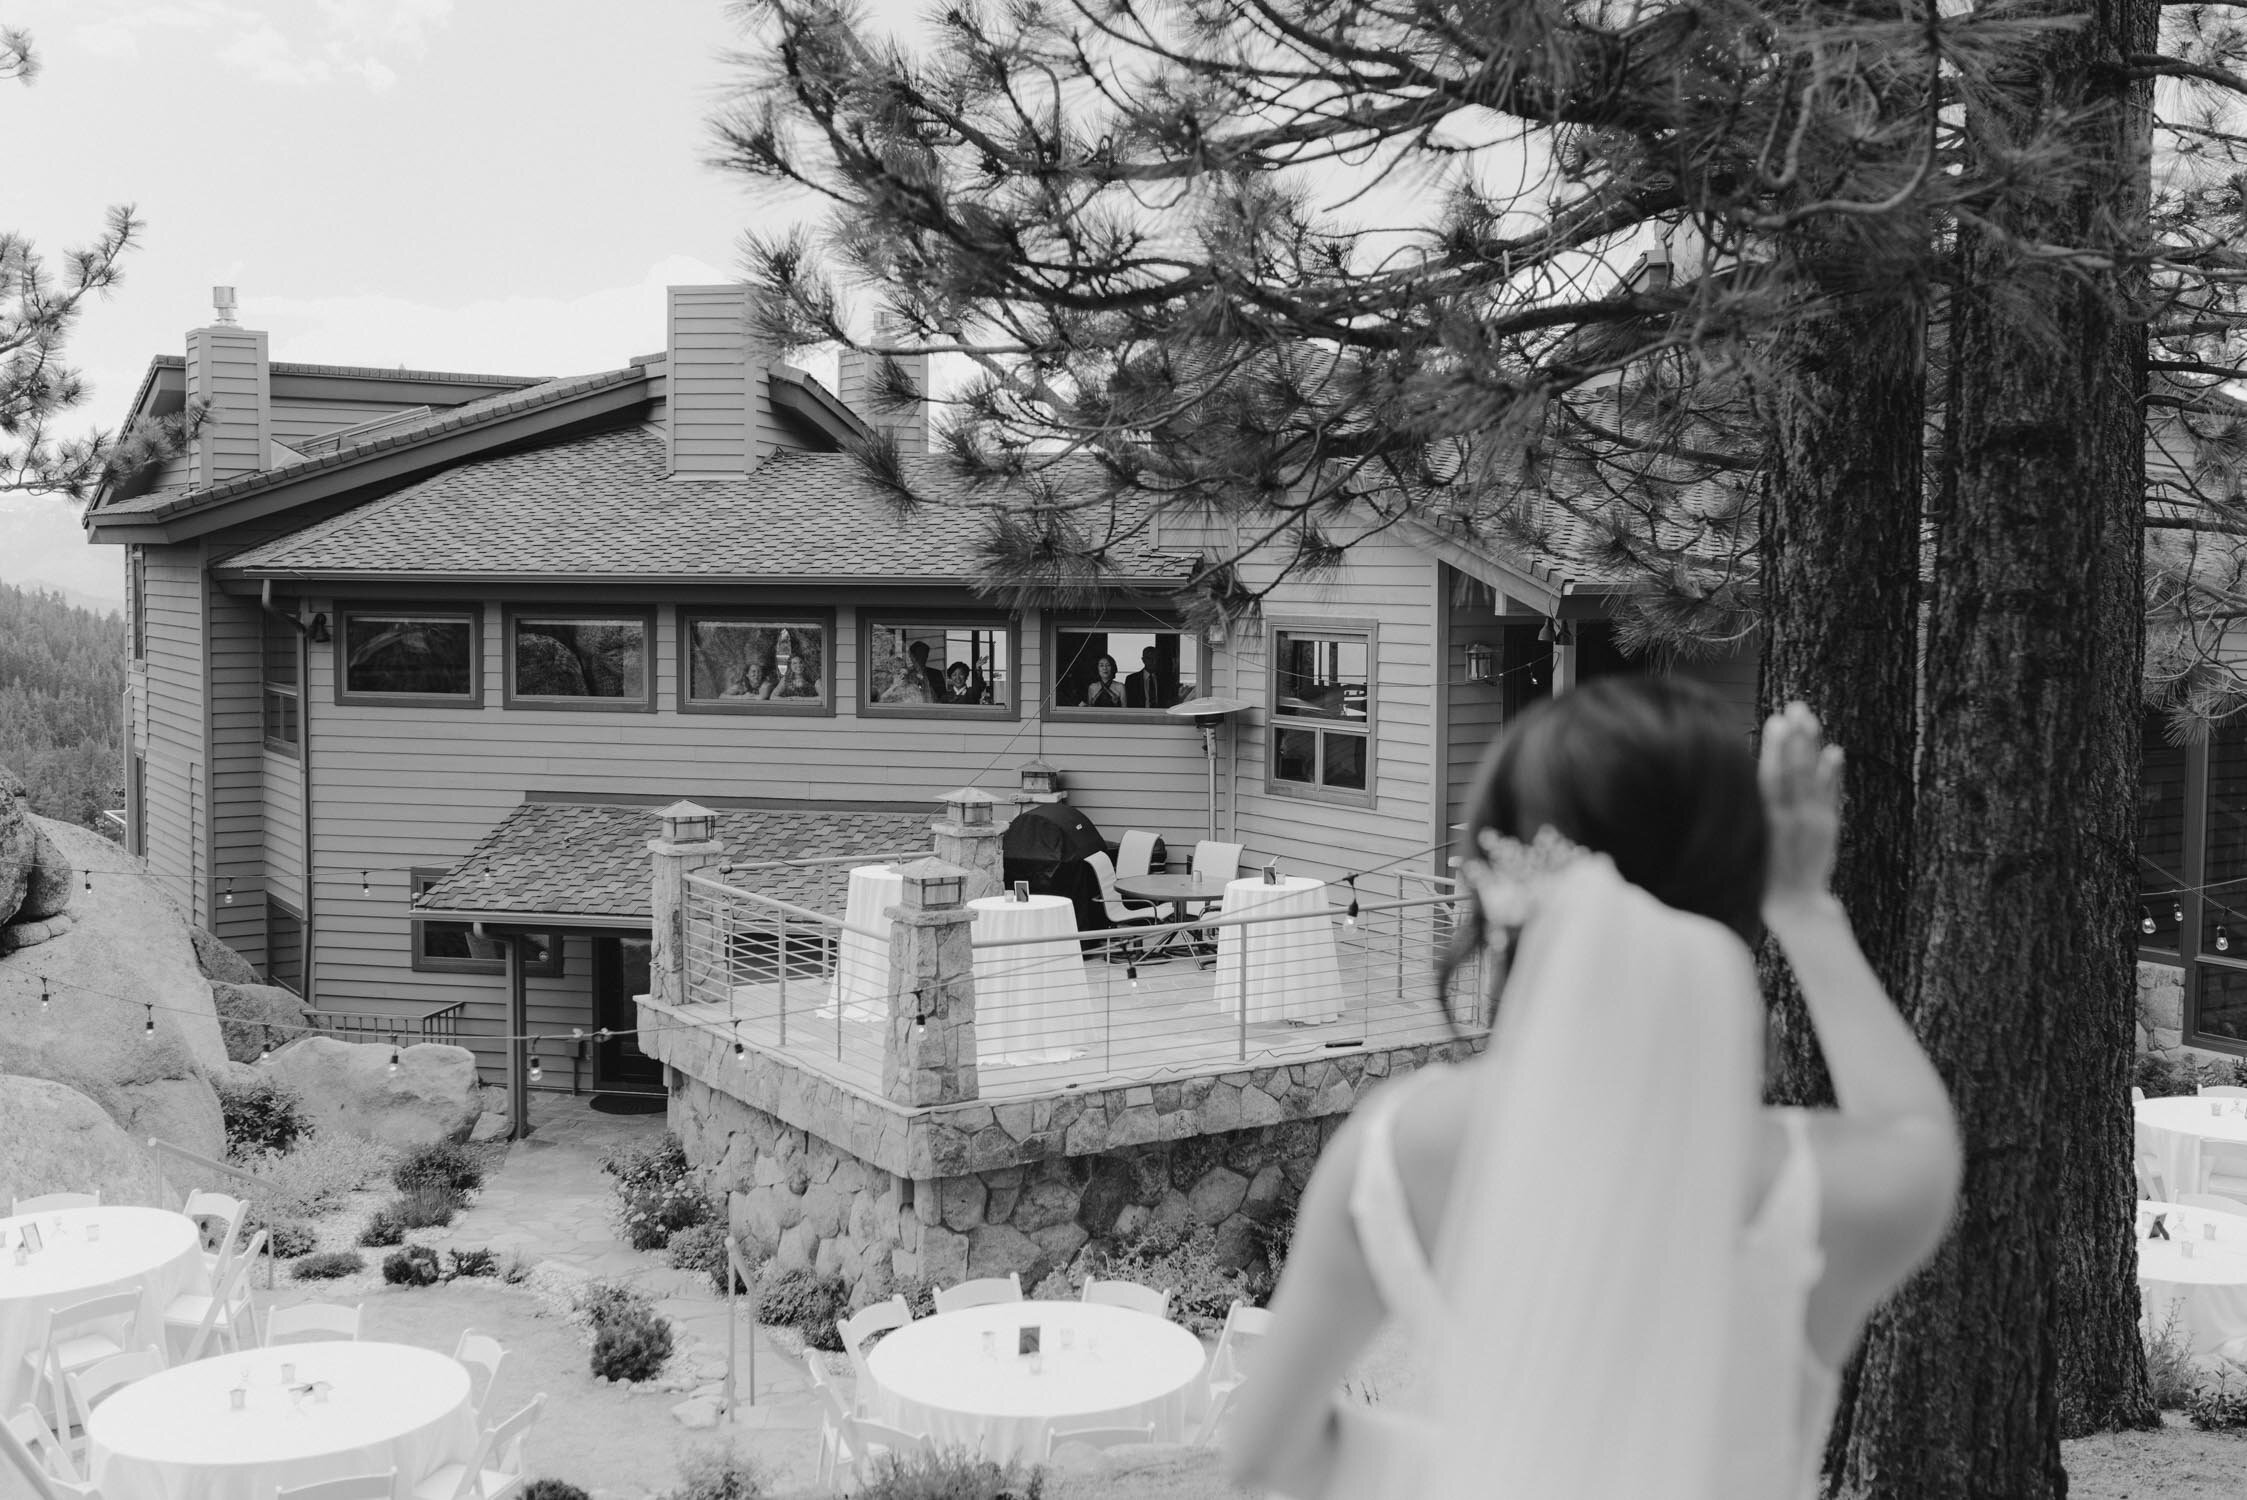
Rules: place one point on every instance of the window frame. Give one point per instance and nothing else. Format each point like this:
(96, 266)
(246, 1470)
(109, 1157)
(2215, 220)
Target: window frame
(514, 614)
(690, 614)
(270, 622)
(418, 879)
(276, 907)
(872, 621)
(136, 582)
(473, 614)
(2192, 960)
(1058, 623)
(1275, 722)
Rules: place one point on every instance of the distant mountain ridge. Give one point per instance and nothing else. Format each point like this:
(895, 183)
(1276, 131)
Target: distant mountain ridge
(76, 599)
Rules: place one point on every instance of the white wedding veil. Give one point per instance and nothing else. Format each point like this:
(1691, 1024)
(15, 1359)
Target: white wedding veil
(1590, 1241)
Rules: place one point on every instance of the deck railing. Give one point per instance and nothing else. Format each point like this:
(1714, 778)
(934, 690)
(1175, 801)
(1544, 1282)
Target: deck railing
(439, 1025)
(184, 1172)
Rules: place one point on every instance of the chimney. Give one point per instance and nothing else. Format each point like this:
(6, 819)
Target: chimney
(909, 428)
(227, 366)
(719, 416)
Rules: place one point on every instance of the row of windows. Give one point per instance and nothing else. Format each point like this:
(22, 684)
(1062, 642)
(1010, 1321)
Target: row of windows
(2192, 872)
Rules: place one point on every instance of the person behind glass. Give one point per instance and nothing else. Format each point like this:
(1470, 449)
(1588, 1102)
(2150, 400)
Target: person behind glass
(964, 686)
(1145, 688)
(1104, 691)
(932, 681)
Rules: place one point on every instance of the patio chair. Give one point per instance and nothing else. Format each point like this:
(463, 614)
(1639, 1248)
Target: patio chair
(99, 1381)
(980, 1293)
(494, 1471)
(858, 1331)
(1096, 1437)
(1129, 1294)
(357, 1487)
(482, 1354)
(2137, 1095)
(1121, 913)
(309, 1322)
(2216, 1201)
(219, 1218)
(38, 1443)
(219, 1315)
(866, 1440)
(834, 1417)
(2150, 1182)
(1245, 1326)
(17, 1457)
(2222, 1091)
(1135, 852)
(48, 1203)
(78, 1336)
(1219, 862)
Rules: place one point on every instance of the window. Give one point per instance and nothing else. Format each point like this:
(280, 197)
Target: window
(454, 947)
(408, 656)
(2192, 874)
(284, 946)
(1322, 712)
(731, 663)
(284, 723)
(136, 588)
(579, 661)
(1116, 666)
(947, 669)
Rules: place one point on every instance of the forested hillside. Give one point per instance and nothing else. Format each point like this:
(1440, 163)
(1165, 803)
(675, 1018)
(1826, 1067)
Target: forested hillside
(62, 679)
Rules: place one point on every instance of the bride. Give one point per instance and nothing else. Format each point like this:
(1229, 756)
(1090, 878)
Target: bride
(1622, 1276)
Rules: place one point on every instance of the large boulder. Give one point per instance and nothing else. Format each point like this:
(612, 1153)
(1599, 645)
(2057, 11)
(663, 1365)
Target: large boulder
(432, 1095)
(46, 890)
(19, 843)
(60, 1141)
(219, 963)
(127, 961)
(253, 1016)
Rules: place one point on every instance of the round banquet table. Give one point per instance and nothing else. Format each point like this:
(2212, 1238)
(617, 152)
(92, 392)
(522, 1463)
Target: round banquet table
(1126, 1369)
(2207, 1290)
(2174, 1128)
(175, 1435)
(1284, 969)
(159, 1250)
(1032, 1002)
(862, 963)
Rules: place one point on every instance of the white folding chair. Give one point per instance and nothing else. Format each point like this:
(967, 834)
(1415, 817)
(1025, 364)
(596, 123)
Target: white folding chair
(89, 1387)
(1228, 1364)
(218, 1315)
(834, 1417)
(858, 1331)
(2222, 1091)
(2216, 1201)
(495, 1472)
(49, 1203)
(357, 1487)
(77, 1337)
(865, 1441)
(218, 1218)
(2150, 1183)
(1128, 1294)
(38, 1444)
(2137, 1095)
(980, 1293)
(1096, 1437)
(1135, 853)
(310, 1322)
(482, 1354)
(34, 1478)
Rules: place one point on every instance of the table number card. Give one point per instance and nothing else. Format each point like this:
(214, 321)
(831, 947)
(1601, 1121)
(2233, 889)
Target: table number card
(1028, 1341)
(1022, 890)
(2160, 1230)
(31, 1240)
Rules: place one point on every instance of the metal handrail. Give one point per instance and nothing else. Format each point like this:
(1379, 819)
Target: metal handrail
(250, 1180)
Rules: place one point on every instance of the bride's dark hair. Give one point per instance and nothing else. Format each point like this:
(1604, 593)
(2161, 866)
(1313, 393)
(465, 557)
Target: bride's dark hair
(1652, 772)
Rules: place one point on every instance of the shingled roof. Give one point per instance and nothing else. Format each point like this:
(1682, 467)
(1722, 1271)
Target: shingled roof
(602, 506)
(555, 861)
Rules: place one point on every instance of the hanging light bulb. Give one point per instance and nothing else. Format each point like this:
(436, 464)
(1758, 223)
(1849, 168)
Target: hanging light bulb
(228, 895)
(89, 877)
(1350, 914)
(537, 1072)
(393, 1054)
(2177, 912)
(265, 1053)
(364, 888)
(2223, 941)
(738, 1049)
(150, 1028)
(1131, 972)
(2148, 925)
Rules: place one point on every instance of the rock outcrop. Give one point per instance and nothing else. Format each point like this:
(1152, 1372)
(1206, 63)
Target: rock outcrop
(35, 874)
(219, 963)
(60, 1141)
(431, 1096)
(255, 1016)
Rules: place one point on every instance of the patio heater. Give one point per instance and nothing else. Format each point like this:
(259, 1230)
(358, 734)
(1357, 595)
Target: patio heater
(1207, 713)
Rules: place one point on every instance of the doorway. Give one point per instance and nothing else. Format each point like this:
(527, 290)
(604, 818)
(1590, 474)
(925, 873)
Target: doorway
(620, 971)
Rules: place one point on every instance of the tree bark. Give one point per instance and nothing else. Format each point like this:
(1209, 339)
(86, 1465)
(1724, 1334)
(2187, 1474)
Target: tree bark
(2024, 1325)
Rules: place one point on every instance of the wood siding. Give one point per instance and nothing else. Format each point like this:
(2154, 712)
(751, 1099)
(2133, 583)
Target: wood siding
(239, 817)
(174, 583)
(718, 420)
(227, 367)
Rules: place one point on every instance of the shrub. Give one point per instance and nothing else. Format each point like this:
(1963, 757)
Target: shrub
(807, 1302)
(552, 1489)
(516, 1271)
(308, 1181)
(718, 1474)
(655, 1196)
(2218, 1405)
(416, 1265)
(2169, 1366)
(1202, 1290)
(382, 1228)
(949, 1474)
(263, 1115)
(289, 1238)
(424, 1207)
(919, 1293)
(632, 1347)
(648, 1166)
(475, 1263)
(442, 1165)
(604, 1302)
(328, 1265)
(702, 1247)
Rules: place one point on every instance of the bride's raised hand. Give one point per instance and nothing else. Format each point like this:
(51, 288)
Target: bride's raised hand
(1800, 776)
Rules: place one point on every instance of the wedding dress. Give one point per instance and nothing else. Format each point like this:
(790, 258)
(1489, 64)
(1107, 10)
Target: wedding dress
(1609, 1318)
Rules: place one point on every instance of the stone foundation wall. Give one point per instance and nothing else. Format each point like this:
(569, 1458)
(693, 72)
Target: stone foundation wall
(2161, 1016)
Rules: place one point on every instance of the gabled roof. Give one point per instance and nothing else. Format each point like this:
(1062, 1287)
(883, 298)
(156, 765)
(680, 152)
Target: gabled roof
(587, 863)
(602, 507)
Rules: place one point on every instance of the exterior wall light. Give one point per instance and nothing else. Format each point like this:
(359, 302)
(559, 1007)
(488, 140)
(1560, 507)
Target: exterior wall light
(1040, 780)
(932, 885)
(687, 823)
(1482, 663)
(969, 807)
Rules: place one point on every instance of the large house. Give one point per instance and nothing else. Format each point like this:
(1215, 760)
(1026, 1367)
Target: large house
(417, 655)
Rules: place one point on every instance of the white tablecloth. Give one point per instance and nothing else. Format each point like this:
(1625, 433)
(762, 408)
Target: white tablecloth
(1287, 967)
(157, 1249)
(174, 1436)
(2173, 1128)
(1125, 1368)
(2207, 1290)
(862, 968)
(1032, 1002)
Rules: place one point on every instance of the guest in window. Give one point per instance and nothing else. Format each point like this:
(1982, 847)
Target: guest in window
(1145, 688)
(932, 681)
(760, 675)
(965, 685)
(1104, 691)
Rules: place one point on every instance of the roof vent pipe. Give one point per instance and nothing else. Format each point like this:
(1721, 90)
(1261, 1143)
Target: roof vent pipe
(222, 298)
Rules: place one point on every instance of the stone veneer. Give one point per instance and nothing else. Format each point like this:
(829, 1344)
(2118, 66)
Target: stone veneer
(2161, 1016)
(820, 1174)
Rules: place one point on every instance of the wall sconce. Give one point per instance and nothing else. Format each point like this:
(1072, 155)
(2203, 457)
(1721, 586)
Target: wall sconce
(1482, 662)
(932, 885)
(316, 630)
(1556, 632)
(687, 823)
(1040, 780)
(971, 808)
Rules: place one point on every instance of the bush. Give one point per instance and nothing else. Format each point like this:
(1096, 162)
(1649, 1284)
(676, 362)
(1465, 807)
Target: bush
(552, 1489)
(416, 1265)
(383, 1227)
(632, 1347)
(424, 1207)
(308, 1181)
(263, 1115)
(655, 1196)
(516, 1271)
(328, 1265)
(2218, 1405)
(1202, 1290)
(702, 1247)
(441, 1165)
(2169, 1367)
(807, 1302)
(949, 1474)
(919, 1293)
(289, 1238)
(475, 1263)
(718, 1474)
(603, 1302)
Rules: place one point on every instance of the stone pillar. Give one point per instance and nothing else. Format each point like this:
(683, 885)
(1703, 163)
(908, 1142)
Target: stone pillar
(968, 836)
(929, 1055)
(688, 843)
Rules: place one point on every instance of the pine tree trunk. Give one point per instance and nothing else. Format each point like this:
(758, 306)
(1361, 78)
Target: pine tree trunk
(2023, 1326)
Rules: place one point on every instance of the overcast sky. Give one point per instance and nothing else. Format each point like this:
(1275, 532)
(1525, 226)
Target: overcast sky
(498, 186)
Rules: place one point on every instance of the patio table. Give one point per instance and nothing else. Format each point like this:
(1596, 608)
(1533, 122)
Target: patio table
(960, 1378)
(862, 963)
(1032, 1002)
(2174, 1128)
(158, 1250)
(176, 1436)
(1281, 967)
(1179, 891)
(2206, 1290)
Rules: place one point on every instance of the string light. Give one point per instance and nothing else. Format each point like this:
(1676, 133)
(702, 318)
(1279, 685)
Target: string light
(393, 1055)
(46, 1001)
(2177, 912)
(2223, 941)
(1350, 916)
(2149, 925)
(738, 1050)
(1131, 972)
(537, 1072)
(364, 888)
(89, 877)
(150, 1028)
(226, 896)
